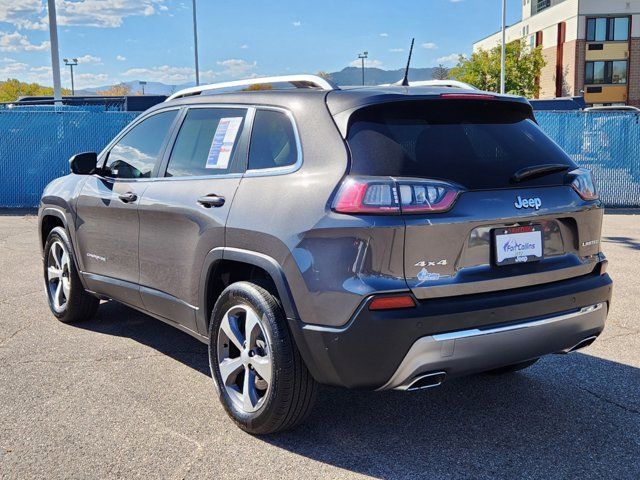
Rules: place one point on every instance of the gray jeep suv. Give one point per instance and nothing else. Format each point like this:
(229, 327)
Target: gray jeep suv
(380, 237)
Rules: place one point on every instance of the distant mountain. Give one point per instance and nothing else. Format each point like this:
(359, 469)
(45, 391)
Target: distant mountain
(378, 76)
(346, 76)
(151, 88)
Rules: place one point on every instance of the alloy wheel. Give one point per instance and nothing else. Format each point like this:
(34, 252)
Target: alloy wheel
(58, 271)
(244, 358)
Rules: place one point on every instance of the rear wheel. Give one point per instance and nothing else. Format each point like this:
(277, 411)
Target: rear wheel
(260, 377)
(513, 368)
(68, 300)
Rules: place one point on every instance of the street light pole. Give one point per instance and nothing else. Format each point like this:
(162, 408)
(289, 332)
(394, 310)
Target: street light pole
(362, 56)
(503, 47)
(55, 55)
(142, 84)
(195, 42)
(71, 63)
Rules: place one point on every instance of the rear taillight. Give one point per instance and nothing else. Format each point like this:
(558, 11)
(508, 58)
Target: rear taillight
(367, 195)
(385, 195)
(418, 196)
(583, 183)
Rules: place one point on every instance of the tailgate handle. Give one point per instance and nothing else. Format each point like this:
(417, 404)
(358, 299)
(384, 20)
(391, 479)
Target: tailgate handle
(211, 200)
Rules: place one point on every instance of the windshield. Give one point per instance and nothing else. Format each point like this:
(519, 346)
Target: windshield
(477, 144)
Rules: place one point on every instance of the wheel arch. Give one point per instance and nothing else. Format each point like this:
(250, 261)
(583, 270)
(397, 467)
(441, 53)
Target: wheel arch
(49, 219)
(239, 264)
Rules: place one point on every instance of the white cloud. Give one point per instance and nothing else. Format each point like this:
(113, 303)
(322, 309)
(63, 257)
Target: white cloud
(32, 14)
(162, 73)
(16, 42)
(235, 67)
(90, 59)
(297, 23)
(121, 58)
(429, 46)
(396, 50)
(244, 46)
(42, 75)
(22, 13)
(12, 70)
(384, 34)
(87, 79)
(231, 68)
(367, 63)
(448, 60)
(103, 13)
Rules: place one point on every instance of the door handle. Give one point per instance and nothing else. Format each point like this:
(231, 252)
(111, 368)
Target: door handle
(209, 201)
(128, 197)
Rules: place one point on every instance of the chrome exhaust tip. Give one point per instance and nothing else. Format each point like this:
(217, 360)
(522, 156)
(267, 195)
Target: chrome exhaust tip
(428, 380)
(581, 344)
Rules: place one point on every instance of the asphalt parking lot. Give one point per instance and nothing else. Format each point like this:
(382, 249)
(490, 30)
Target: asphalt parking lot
(125, 396)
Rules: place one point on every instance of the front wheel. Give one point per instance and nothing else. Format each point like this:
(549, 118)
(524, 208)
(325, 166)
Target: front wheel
(260, 377)
(68, 300)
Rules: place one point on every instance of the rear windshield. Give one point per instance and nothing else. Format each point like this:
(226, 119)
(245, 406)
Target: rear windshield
(477, 144)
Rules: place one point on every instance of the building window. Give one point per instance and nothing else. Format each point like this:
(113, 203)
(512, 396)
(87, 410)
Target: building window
(540, 5)
(612, 72)
(608, 29)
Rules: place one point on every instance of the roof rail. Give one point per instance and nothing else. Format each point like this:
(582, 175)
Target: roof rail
(298, 81)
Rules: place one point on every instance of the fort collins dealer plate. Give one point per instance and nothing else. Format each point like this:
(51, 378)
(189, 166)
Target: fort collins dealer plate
(517, 244)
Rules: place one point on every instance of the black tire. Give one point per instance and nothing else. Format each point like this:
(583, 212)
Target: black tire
(291, 391)
(513, 368)
(80, 305)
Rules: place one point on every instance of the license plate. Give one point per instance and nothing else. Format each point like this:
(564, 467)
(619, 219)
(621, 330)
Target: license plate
(517, 244)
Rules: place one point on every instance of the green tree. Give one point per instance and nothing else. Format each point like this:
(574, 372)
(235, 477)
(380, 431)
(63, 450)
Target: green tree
(12, 89)
(120, 90)
(522, 67)
(440, 73)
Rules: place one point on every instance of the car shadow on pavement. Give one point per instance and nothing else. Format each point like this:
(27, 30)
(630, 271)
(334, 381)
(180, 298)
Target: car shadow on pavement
(116, 319)
(568, 416)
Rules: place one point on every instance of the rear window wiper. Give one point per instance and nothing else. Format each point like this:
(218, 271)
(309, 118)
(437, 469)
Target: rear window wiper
(538, 171)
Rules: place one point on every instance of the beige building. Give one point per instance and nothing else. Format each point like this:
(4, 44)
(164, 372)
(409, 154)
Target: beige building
(592, 47)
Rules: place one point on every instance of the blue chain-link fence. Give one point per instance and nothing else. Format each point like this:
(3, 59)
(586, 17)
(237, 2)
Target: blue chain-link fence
(608, 143)
(36, 143)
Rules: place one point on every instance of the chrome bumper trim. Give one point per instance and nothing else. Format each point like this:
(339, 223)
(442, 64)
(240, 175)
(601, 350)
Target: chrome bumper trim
(475, 350)
(518, 326)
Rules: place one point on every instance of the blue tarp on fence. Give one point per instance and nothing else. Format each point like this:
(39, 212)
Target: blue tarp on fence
(608, 143)
(36, 143)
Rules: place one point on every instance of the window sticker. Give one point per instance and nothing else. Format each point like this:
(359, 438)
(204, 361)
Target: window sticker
(222, 143)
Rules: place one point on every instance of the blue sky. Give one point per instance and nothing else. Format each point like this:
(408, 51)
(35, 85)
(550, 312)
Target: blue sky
(121, 40)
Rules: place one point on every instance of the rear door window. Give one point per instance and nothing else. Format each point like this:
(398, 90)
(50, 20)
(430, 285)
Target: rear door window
(273, 141)
(477, 144)
(207, 143)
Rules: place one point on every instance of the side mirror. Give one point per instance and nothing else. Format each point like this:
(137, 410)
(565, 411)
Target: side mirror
(84, 163)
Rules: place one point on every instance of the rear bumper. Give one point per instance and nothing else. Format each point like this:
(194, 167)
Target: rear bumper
(476, 350)
(460, 335)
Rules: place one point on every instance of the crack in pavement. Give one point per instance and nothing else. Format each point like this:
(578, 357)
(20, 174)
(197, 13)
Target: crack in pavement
(5, 340)
(607, 400)
(16, 297)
